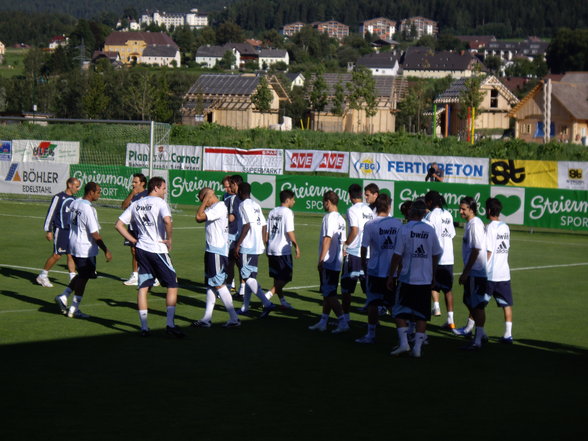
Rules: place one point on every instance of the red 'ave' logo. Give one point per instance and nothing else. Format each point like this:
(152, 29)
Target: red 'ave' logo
(332, 161)
(301, 160)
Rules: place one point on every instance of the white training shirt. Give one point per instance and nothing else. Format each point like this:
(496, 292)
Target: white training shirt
(498, 243)
(474, 237)
(250, 213)
(147, 216)
(280, 221)
(83, 222)
(357, 216)
(417, 243)
(333, 226)
(217, 229)
(379, 237)
(442, 221)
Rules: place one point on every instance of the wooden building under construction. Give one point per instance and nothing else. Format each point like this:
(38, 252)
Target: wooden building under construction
(226, 99)
(388, 91)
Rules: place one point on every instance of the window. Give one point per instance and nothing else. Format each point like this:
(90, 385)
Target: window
(494, 99)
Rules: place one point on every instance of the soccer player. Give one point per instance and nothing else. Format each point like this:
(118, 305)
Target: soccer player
(497, 248)
(333, 234)
(137, 192)
(442, 221)
(473, 277)
(84, 241)
(248, 246)
(57, 230)
(214, 213)
(371, 193)
(379, 238)
(357, 216)
(232, 201)
(152, 218)
(280, 240)
(417, 250)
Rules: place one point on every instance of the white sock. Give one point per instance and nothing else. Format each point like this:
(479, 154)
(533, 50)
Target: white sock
(436, 305)
(242, 289)
(44, 273)
(470, 325)
(411, 328)
(171, 312)
(450, 317)
(72, 275)
(402, 337)
(225, 296)
(371, 331)
(254, 287)
(143, 318)
(210, 301)
(75, 305)
(135, 274)
(65, 294)
(324, 318)
(479, 334)
(246, 298)
(507, 329)
(269, 295)
(419, 339)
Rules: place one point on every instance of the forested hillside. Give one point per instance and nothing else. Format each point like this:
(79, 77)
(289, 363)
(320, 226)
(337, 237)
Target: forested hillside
(95, 8)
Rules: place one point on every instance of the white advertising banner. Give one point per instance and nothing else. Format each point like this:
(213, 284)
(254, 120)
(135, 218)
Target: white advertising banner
(166, 157)
(27, 150)
(391, 167)
(256, 161)
(33, 178)
(572, 175)
(5, 151)
(317, 160)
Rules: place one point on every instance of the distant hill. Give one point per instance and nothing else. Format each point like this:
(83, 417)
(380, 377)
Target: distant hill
(94, 8)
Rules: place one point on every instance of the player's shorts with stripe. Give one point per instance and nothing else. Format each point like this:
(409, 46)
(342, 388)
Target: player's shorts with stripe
(155, 266)
(351, 272)
(443, 278)
(60, 241)
(413, 303)
(280, 267)
(502, 293)
(378, 292)
(247, 264)
(132, 233)
(329, 282)
(215, 269)
(86, 267)
(475, 292)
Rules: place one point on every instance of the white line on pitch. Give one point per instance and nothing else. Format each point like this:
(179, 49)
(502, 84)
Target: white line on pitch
(20, 215)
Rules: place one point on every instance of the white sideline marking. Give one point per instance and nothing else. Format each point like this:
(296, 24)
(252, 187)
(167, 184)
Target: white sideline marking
(188, 228)
(20, 215)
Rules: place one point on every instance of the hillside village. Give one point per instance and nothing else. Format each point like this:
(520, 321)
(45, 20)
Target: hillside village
(378, 76)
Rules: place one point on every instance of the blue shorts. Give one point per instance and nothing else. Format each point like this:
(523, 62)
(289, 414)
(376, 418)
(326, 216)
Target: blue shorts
(60, 241)
(414, 302)
(86, 267)
(351, 267)
(502, 293)
(329, 282)
(377, 291)
(247, 264)
(280, 267)
(475, 293)
(214, 269)
(155, 266)
(443, 278)
(132, 233)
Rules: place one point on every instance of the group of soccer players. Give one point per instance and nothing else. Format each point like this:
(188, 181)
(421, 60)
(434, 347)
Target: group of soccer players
(399, 264)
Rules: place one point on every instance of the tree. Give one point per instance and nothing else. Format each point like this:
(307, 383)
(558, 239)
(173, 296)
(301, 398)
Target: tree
(318, 95)
(339, 99)
(471, 97)
(229, 32)
(263, 97)
(362, 92)
(95, 102)
(228, 60)
(494, 63)
(140, 94)
(568, 51)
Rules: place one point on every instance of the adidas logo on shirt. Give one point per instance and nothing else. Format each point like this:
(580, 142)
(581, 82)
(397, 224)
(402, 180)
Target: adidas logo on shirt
(388, 243)
(445, 233)
(502, 248)
(419, 252)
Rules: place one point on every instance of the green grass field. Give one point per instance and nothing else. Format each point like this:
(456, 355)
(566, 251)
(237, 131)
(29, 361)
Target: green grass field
(273, 379)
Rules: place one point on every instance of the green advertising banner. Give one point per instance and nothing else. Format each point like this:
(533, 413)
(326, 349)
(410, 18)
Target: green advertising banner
(184, 185)
(453, 193)
(309, 191)
(115, 180)
(564, 209)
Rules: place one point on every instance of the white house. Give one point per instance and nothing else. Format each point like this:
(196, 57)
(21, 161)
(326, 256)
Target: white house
(208, 55)
(161, 56)
(268, 57)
